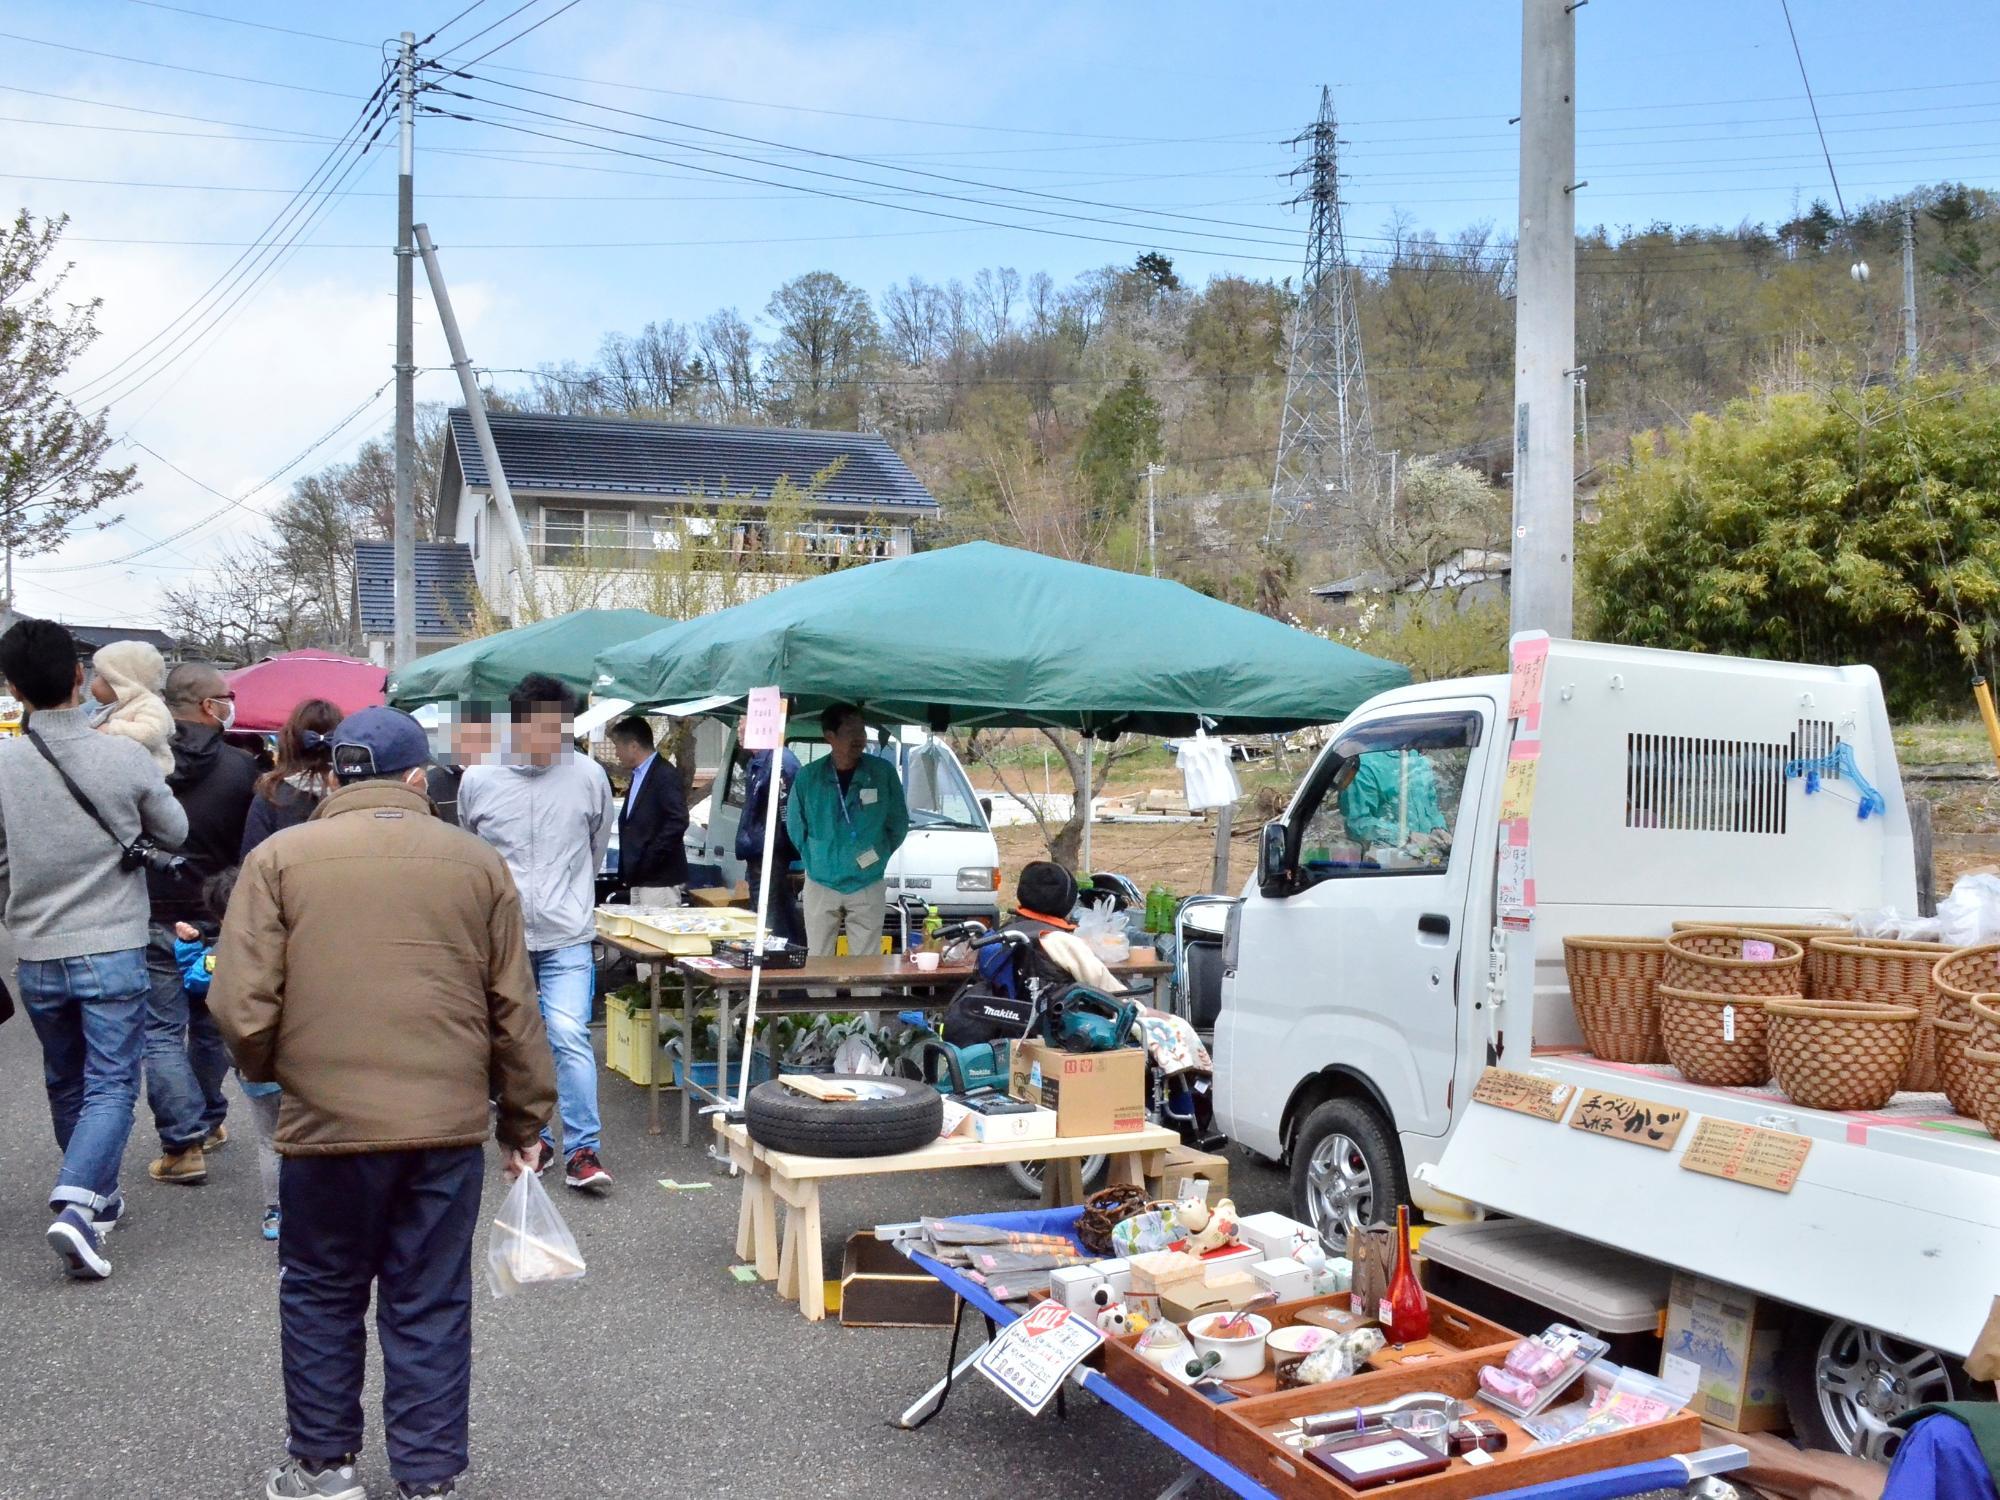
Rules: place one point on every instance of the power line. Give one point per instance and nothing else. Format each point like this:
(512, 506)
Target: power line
(232, 502)
(147, 62)
(317, 36)
(1792, 32)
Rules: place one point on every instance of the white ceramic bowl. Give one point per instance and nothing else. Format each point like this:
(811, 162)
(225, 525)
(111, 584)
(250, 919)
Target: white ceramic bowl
(1242, 1354)
(1300, 1338)
(924, 961)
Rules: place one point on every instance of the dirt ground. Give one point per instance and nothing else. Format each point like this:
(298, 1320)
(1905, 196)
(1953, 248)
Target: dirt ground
(1180, 856)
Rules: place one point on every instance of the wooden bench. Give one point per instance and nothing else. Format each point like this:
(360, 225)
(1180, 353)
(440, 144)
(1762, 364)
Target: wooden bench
(774, 1177)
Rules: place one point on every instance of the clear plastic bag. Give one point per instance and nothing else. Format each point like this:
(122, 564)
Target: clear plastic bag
(1106, 930)
(530, 1243)
(1970, 915)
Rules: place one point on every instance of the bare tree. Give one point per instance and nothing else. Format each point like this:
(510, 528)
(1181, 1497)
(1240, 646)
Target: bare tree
(729, 350)
(825, 335)
(248, 605)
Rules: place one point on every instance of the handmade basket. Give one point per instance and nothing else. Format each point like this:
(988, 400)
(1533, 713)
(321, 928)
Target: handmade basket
(1957, 1074)
(1963, 973)
(1988, 1066)
(1614, 984)
(1883, 971)
(1710, 961)
(1104, 1211)
(1798, 931)
(1985, 1018)
(1715, 1039)
(1840, 1054)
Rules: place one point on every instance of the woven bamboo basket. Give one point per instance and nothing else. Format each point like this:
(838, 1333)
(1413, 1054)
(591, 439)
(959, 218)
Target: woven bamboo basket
(1715, 1039)
(1710, 961)
(1963, 973)
(1614, 983)
(1841, 1054)
(1985, 1018)
(1987, 1065)
(1883, 971)
(1957, 1075)
(1797, 931)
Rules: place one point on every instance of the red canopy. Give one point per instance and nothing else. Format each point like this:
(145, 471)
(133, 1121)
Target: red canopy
(267, 692)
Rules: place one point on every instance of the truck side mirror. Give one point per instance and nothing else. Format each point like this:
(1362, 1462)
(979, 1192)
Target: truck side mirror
(1274, 875)
(986, 806)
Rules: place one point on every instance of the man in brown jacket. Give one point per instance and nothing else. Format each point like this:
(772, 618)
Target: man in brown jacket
(372, 962)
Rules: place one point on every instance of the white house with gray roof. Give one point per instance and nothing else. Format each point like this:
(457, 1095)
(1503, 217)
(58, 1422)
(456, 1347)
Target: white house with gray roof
(600, 499)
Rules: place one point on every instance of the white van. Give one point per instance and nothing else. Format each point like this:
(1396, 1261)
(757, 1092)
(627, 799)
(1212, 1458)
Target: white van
(949, 861)
(1374, 971)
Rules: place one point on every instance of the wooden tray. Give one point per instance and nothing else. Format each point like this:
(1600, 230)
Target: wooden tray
(1243, 1434)
(1454, 1332)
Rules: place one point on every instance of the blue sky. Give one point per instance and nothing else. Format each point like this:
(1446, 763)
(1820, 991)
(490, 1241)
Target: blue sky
(1689, 112)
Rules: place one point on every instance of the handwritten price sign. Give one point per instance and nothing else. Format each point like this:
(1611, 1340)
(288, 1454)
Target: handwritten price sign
(764, 720)
(1032, 1357)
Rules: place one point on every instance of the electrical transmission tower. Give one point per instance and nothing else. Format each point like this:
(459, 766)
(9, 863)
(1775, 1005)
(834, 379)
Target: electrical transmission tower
(1326, 445)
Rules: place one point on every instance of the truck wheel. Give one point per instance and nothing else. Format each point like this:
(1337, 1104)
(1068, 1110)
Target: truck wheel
(1842, 1383)
(1345, 1171)
(890, 1116)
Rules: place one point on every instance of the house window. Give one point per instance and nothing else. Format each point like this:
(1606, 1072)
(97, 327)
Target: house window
(609, 530)
(562, 535)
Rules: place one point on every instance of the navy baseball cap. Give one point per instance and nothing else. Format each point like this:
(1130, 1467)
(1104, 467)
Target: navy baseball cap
(378, 742)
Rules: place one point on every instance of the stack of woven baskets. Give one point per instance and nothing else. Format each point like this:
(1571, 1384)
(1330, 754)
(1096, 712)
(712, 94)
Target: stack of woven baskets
(1842, 1023)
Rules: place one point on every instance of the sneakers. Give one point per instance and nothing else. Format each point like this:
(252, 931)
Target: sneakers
(77, 1244)
(585, 1172)
(295, 1479)
(216, 1139)
(413, 1492)
(545, 1157)
(270, 1223)
(187, 1166)
(110, 1216)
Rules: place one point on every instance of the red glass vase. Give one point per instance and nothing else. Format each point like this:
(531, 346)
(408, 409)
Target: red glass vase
(1405, 1314)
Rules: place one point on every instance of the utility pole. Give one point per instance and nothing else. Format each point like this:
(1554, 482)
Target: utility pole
(1153, 471)
(1910, 289)
(1545, 322)
(404, 650)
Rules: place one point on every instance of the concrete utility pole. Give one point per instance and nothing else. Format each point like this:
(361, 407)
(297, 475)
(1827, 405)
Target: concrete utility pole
(404, 648)
(1545, 322)
(1153, 471)
(1910, 289)
(521, 570)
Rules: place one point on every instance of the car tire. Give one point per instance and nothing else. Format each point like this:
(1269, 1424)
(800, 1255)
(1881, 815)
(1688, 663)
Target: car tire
(893, 1115)
(1027, 1175)
(1869, 1377)
(1345, 1170)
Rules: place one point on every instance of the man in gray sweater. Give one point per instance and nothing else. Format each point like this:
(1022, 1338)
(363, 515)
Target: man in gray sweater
(77, 908)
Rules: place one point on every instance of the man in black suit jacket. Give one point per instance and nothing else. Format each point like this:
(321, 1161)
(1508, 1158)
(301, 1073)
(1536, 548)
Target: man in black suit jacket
(652, 859)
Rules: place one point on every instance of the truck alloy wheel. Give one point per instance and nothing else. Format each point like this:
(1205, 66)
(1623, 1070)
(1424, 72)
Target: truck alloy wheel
(1344, 1170)
(1843, 1384)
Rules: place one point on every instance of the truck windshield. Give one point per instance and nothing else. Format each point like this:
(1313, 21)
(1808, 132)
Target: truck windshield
(935, 788)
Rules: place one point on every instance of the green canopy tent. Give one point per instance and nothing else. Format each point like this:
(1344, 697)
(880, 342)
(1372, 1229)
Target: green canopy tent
(983, 635)
(483, 670)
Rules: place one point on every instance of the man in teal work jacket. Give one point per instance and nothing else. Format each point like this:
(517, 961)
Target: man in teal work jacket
(846, 817)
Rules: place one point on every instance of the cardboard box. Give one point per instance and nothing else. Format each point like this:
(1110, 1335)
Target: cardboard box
(1075, 1287)
(1117, 1275)
(881, 1288)
(1287, 1278)
(1196, 1299)
(1039, 1125)
(1092, 1093)
(1184, 1162)
(1275, 1235)
(1725, 1342)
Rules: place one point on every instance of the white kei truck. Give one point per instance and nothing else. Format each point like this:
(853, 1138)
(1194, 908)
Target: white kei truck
(1381, 961)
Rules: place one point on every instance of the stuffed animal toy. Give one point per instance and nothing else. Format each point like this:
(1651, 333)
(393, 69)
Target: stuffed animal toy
(1207, 1228)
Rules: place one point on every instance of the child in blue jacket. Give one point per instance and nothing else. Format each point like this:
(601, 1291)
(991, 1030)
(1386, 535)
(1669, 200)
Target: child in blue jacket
(194, 951)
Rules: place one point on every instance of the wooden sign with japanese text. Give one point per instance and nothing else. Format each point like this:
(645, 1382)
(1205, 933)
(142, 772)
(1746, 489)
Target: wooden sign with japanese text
(1523, 1093)
(1743, 1153)
(1623, 1118)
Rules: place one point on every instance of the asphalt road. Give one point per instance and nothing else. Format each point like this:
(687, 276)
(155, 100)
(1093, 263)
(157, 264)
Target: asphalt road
(657, 1374)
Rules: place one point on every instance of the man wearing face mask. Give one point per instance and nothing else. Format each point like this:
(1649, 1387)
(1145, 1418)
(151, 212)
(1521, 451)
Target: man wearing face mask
(185, 1058)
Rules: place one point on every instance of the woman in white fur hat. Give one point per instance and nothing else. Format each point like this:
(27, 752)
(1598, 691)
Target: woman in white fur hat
(129, 678)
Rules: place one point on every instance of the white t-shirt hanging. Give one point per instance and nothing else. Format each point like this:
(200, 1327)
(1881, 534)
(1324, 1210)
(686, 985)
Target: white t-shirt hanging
(1210, 778)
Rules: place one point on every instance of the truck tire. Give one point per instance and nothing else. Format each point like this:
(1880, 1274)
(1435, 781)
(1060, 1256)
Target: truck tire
(1027, 1175)
(893, 1115)
(1345, 1170)
(1842, 1383)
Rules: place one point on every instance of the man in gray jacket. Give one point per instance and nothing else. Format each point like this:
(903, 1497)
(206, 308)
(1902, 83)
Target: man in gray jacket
(547, 811)
(76, 905)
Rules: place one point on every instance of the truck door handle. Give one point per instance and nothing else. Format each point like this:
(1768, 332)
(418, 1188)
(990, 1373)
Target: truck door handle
(1434, 924)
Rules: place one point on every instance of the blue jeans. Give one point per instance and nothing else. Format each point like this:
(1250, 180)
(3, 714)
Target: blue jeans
(566, 981)
(185, 1058)
(90, 1014)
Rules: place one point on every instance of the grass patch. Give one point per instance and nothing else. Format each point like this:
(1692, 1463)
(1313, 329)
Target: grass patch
(1941, 742)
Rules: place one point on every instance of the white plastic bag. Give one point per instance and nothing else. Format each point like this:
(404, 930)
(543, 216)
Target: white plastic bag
(1106, 931)
(530, 1243)
(1971, 913)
